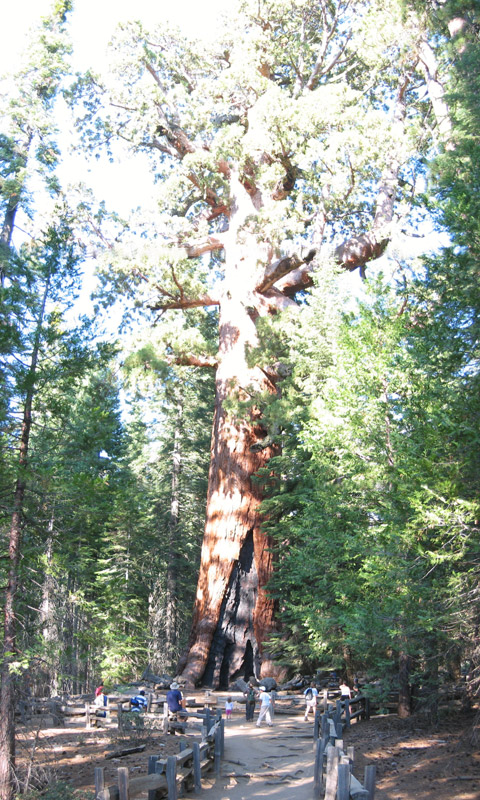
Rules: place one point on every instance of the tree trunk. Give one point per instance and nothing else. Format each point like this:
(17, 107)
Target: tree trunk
(47, 618)
(233, 615)
(404, 695)
(7, 689)
(172, 555)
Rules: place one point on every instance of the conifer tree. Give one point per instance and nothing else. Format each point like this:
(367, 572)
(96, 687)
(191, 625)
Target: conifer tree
(284, 145)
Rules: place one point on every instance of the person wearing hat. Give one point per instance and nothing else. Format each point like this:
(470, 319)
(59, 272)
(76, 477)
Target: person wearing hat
(174, 699)
(265, 702)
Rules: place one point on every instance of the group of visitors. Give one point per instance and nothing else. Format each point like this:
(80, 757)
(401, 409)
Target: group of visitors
(176, 703)
(266, 699)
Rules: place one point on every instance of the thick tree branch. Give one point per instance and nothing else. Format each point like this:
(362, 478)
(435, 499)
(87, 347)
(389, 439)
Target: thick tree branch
(282, 267)
(206, 245)
(358, 250)
(183, 302)
(191, 360)
(436, 93)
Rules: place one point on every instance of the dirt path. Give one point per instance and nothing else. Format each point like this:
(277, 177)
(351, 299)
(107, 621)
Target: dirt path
(274, 763)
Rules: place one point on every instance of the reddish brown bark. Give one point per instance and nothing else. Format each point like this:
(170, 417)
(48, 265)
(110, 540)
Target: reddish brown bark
(404, 708)
(233, 614)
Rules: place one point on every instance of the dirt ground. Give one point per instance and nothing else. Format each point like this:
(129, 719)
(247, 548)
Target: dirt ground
(414, 762)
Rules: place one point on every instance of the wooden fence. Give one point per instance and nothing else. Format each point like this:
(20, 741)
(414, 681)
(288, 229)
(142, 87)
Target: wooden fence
(171, 776)
(115, 713)
(333, 771)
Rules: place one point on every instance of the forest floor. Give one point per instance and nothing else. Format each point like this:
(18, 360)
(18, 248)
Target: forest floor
(414, 761)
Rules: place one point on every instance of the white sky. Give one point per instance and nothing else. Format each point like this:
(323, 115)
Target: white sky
(93, 22)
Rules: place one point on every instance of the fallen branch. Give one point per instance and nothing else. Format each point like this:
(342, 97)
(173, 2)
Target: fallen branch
(126, 751)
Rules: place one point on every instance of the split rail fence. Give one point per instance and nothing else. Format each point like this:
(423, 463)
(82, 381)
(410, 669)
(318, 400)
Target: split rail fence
(169, 777)
(333, 771)
(115, 713)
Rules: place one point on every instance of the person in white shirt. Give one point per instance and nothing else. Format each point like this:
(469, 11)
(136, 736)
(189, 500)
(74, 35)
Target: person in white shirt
(311, 695)
(264, 713)
(345, 691)
(228, 708)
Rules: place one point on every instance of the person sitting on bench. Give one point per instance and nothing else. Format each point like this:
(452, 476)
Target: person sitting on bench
(139, 702)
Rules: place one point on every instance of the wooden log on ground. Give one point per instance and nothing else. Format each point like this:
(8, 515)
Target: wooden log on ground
(126, 751)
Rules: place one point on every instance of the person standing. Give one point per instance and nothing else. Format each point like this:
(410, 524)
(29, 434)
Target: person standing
(264, 713)
(345, 691)
(251, 697)
(228, 708)
(311, 695)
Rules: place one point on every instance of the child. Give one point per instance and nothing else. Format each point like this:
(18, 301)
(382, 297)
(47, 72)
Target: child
(228, 708)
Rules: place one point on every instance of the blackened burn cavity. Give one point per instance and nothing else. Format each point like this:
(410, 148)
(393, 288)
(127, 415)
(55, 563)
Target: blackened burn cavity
(234, 650)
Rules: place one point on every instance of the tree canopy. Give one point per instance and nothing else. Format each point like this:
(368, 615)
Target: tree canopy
(332, 520)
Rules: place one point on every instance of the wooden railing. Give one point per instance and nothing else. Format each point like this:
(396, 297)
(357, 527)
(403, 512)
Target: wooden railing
(333, 771)
(116, 712)
(168, 777)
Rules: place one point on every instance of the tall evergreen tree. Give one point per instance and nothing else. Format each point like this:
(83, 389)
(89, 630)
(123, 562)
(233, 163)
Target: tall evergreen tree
(281, 146)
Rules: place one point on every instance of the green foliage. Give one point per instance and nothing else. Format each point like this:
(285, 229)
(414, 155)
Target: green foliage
(60, 790)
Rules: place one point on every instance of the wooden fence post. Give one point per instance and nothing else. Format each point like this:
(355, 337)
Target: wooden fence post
(218, 749)
(369, 780)
(123, 783)
(343, 788)
(222, 738)
(99, 780)
(324, 724)
(120, 717)
(367, 708)
(197, 772)
(87, 715)
(208, 719)
(338, 714)
(152, 767)
(332, 773)
(172, 777)
(318, 769)
(165, 718)
(316, 725)
(347, 712)
(351, 755)
(325, 701)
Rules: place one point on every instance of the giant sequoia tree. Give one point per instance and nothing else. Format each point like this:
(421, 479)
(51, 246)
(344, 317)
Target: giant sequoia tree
(287, 144)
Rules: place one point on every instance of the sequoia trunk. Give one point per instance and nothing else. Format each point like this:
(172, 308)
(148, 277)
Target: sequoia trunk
(233, 614)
